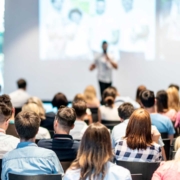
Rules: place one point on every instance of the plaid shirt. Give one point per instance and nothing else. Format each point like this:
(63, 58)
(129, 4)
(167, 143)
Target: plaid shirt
(151, 154)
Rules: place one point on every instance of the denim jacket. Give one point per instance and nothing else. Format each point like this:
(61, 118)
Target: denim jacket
(29, 159)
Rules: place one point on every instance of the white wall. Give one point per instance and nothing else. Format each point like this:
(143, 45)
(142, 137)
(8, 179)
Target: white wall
(45, 78)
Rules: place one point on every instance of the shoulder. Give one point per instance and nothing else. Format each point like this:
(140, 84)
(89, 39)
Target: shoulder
(43, 130)
(72, 174)
(155, 147)
(43, 142)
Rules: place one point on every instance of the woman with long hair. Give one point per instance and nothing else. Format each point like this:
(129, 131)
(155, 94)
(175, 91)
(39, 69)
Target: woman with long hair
(93, 159)
(109, 110)
(137, 145)
(169, 170)
(163, 107)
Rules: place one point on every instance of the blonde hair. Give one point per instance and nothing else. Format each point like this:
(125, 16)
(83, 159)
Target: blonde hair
(173, 98)
(38, 102)
(177, 144)
(79, 97)
(90, 93)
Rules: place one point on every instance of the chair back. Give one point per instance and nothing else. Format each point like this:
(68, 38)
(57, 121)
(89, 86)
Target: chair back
(65, 165)
(164, 135)
(137, 176)
(35, 177)
(110, 124)
(145, 168)
(12, 130)
(0, 167)
(18, 110)
(167, 147)
(94, 114)
(51, 132)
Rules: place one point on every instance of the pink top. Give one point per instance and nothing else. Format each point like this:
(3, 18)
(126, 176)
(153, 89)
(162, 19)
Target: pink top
(171, 114)
(177, 124)
(169, 170)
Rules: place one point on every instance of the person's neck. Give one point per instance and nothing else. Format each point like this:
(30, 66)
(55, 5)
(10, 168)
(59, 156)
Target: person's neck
(61, 131)
(80, 118)
(23, 89)
(151, 109)
(3, 127)
(32, 140)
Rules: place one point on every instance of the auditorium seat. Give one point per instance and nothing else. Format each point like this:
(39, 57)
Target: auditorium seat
(94, 114)
(66, 164)
(144, 168)
(35, 177)
(167, 148)
(137, 176)
(164, 135)
(110, 124)
(12, 130)
(18, 110)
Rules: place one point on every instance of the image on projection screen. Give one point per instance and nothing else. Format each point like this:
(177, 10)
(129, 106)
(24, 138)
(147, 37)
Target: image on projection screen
(169, 29)
(75, 29)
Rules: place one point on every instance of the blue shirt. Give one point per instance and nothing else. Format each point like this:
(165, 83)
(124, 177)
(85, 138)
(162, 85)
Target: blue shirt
(163, 123)
(28, 159)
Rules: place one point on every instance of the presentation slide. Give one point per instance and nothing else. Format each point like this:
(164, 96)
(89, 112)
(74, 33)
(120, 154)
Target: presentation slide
(75, 29)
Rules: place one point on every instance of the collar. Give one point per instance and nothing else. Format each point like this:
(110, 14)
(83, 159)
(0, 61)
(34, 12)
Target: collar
(25, 144)
(2, 131)
(63, 136)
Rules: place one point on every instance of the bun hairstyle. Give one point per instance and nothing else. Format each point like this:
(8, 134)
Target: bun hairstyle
(109, 96)
(6, 100)
(5, 112)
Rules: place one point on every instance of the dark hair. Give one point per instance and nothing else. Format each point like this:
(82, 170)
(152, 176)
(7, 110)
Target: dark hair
(139, 89)
(138, 132)
(79, 107)
(104, 42)
(59, 100)
(125, 110)
(6, 100)
(66, 117)
(109, 96)
(5, 112)
(27, 124)
(147, 98)
(21, 83)
(94, 153)
(162, 101)
(174, 85)
(74, 11)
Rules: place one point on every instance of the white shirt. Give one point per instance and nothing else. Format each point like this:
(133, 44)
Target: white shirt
(110, 114)
(43, 133)
(114, 172)
(7, 143)
(78, 130)
(19, 97)
(119, 131)
(120, 100)
(104, 68)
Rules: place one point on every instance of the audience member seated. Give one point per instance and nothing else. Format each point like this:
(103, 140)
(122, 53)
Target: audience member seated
(79, 126)
(62, 143)
(90, 97)
(123, 99)
(163, 123)
(94, 156)
(173, 103)
(43, 133)
(169, 170)
(109, 110)
(79, 97)
(137, 144)
(138, 92)
(7, 142)
(28, 158)
(20, 96)
(58, 100)
(162, 106)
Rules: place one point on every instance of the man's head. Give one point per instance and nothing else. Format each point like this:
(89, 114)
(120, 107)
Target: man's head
(27, 125)
(21, 83)
(125, 110)
(174, 85)
(100, 6)
(57, 4)
(127, 5)
(65, 119)
(75, 16)
(147, 98)
(59, 100)
(80, 108)
(104, 46)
